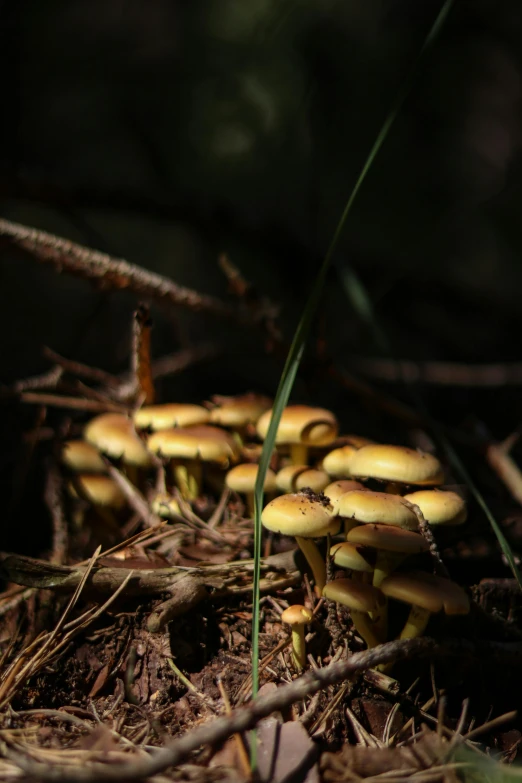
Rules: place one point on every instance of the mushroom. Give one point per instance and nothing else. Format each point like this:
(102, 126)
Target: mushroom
(365, 506)
(81, 457)
(393, 544)
(114, 435)
(293, 478)
(170, 414)
(440, 507)
(354, 557)
(237, 413)
(102, 493)
(188, 448)
(297, 616)
(301, 427)
(165, 506)
(361, 599)
(426, 594)
(396, 464)
(341, 487)
(337, 462)
(305, 516)
(242, 479)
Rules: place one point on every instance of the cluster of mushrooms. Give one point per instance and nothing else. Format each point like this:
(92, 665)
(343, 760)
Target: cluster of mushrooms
(319, 489)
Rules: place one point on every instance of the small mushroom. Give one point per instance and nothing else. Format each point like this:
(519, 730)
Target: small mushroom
(397, 464)
(440, 507)
(165, 506)
(365, 506)
(297, 616)
(188, 448)
(81, 457)
(341, 487)
(170, 414)
(426, 594)
(114, 435)
(360, 559)
(301, 427)
(361, 599)
(305, 516)
(240, 412)
(293, 478)
(242, 479)
(337, 462)
(102, 493)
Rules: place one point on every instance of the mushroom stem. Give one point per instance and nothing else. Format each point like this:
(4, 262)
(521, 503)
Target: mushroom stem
(187, 476)
(365, 628)
(314, 560)
(386, 563)
(298, 647)
(250, 504)
(393, 488)
(349, 524)
(299, 454)
(416, 623)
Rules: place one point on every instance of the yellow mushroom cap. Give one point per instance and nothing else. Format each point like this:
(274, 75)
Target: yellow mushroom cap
(396, 463)
(292, 478)
(98, 490)
(203, 442)
(165, 506)
(301, 424)
(388, 539)
(239, 411)
(359, 596)
(242, 478)
(341, 487)
(81, 457)
(366, 506)
(440, 507)
(170, 414)
(299, 514)
(433, 593)
(114, 434)
(297, 615)
(348, 555)
(337, 462)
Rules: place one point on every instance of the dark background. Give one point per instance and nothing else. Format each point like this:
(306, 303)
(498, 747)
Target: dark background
(169, 132)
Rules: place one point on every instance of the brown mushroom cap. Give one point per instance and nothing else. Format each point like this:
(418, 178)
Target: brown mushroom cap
(348, 555)
(358, 596)
(297, 615)
(337, 462)
(396, 463)
(170, 414)
(242, 478)
(440, 507)
(299, 514)
(301, 424)
(366, 506)
(388, 539)
(292, 478)
(81, 457)
(341, 487)
(429, 592)
(239, 411)
(206, 443)
(98, 490)
(114, 434)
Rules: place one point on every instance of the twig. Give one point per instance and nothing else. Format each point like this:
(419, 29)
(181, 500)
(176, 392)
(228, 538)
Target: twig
(113, 273)
(442, 373)
(133, 496)
(247, 717)
(47, 380)
(81, 370)
(76, 403)
(141, 366)
(427, 534)
(54, 502)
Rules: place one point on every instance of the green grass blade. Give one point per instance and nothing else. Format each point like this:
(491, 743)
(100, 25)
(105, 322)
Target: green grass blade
(298, 344)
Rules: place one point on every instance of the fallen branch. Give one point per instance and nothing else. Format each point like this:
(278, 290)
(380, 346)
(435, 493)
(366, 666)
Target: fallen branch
(115, 273)
(245, 718)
